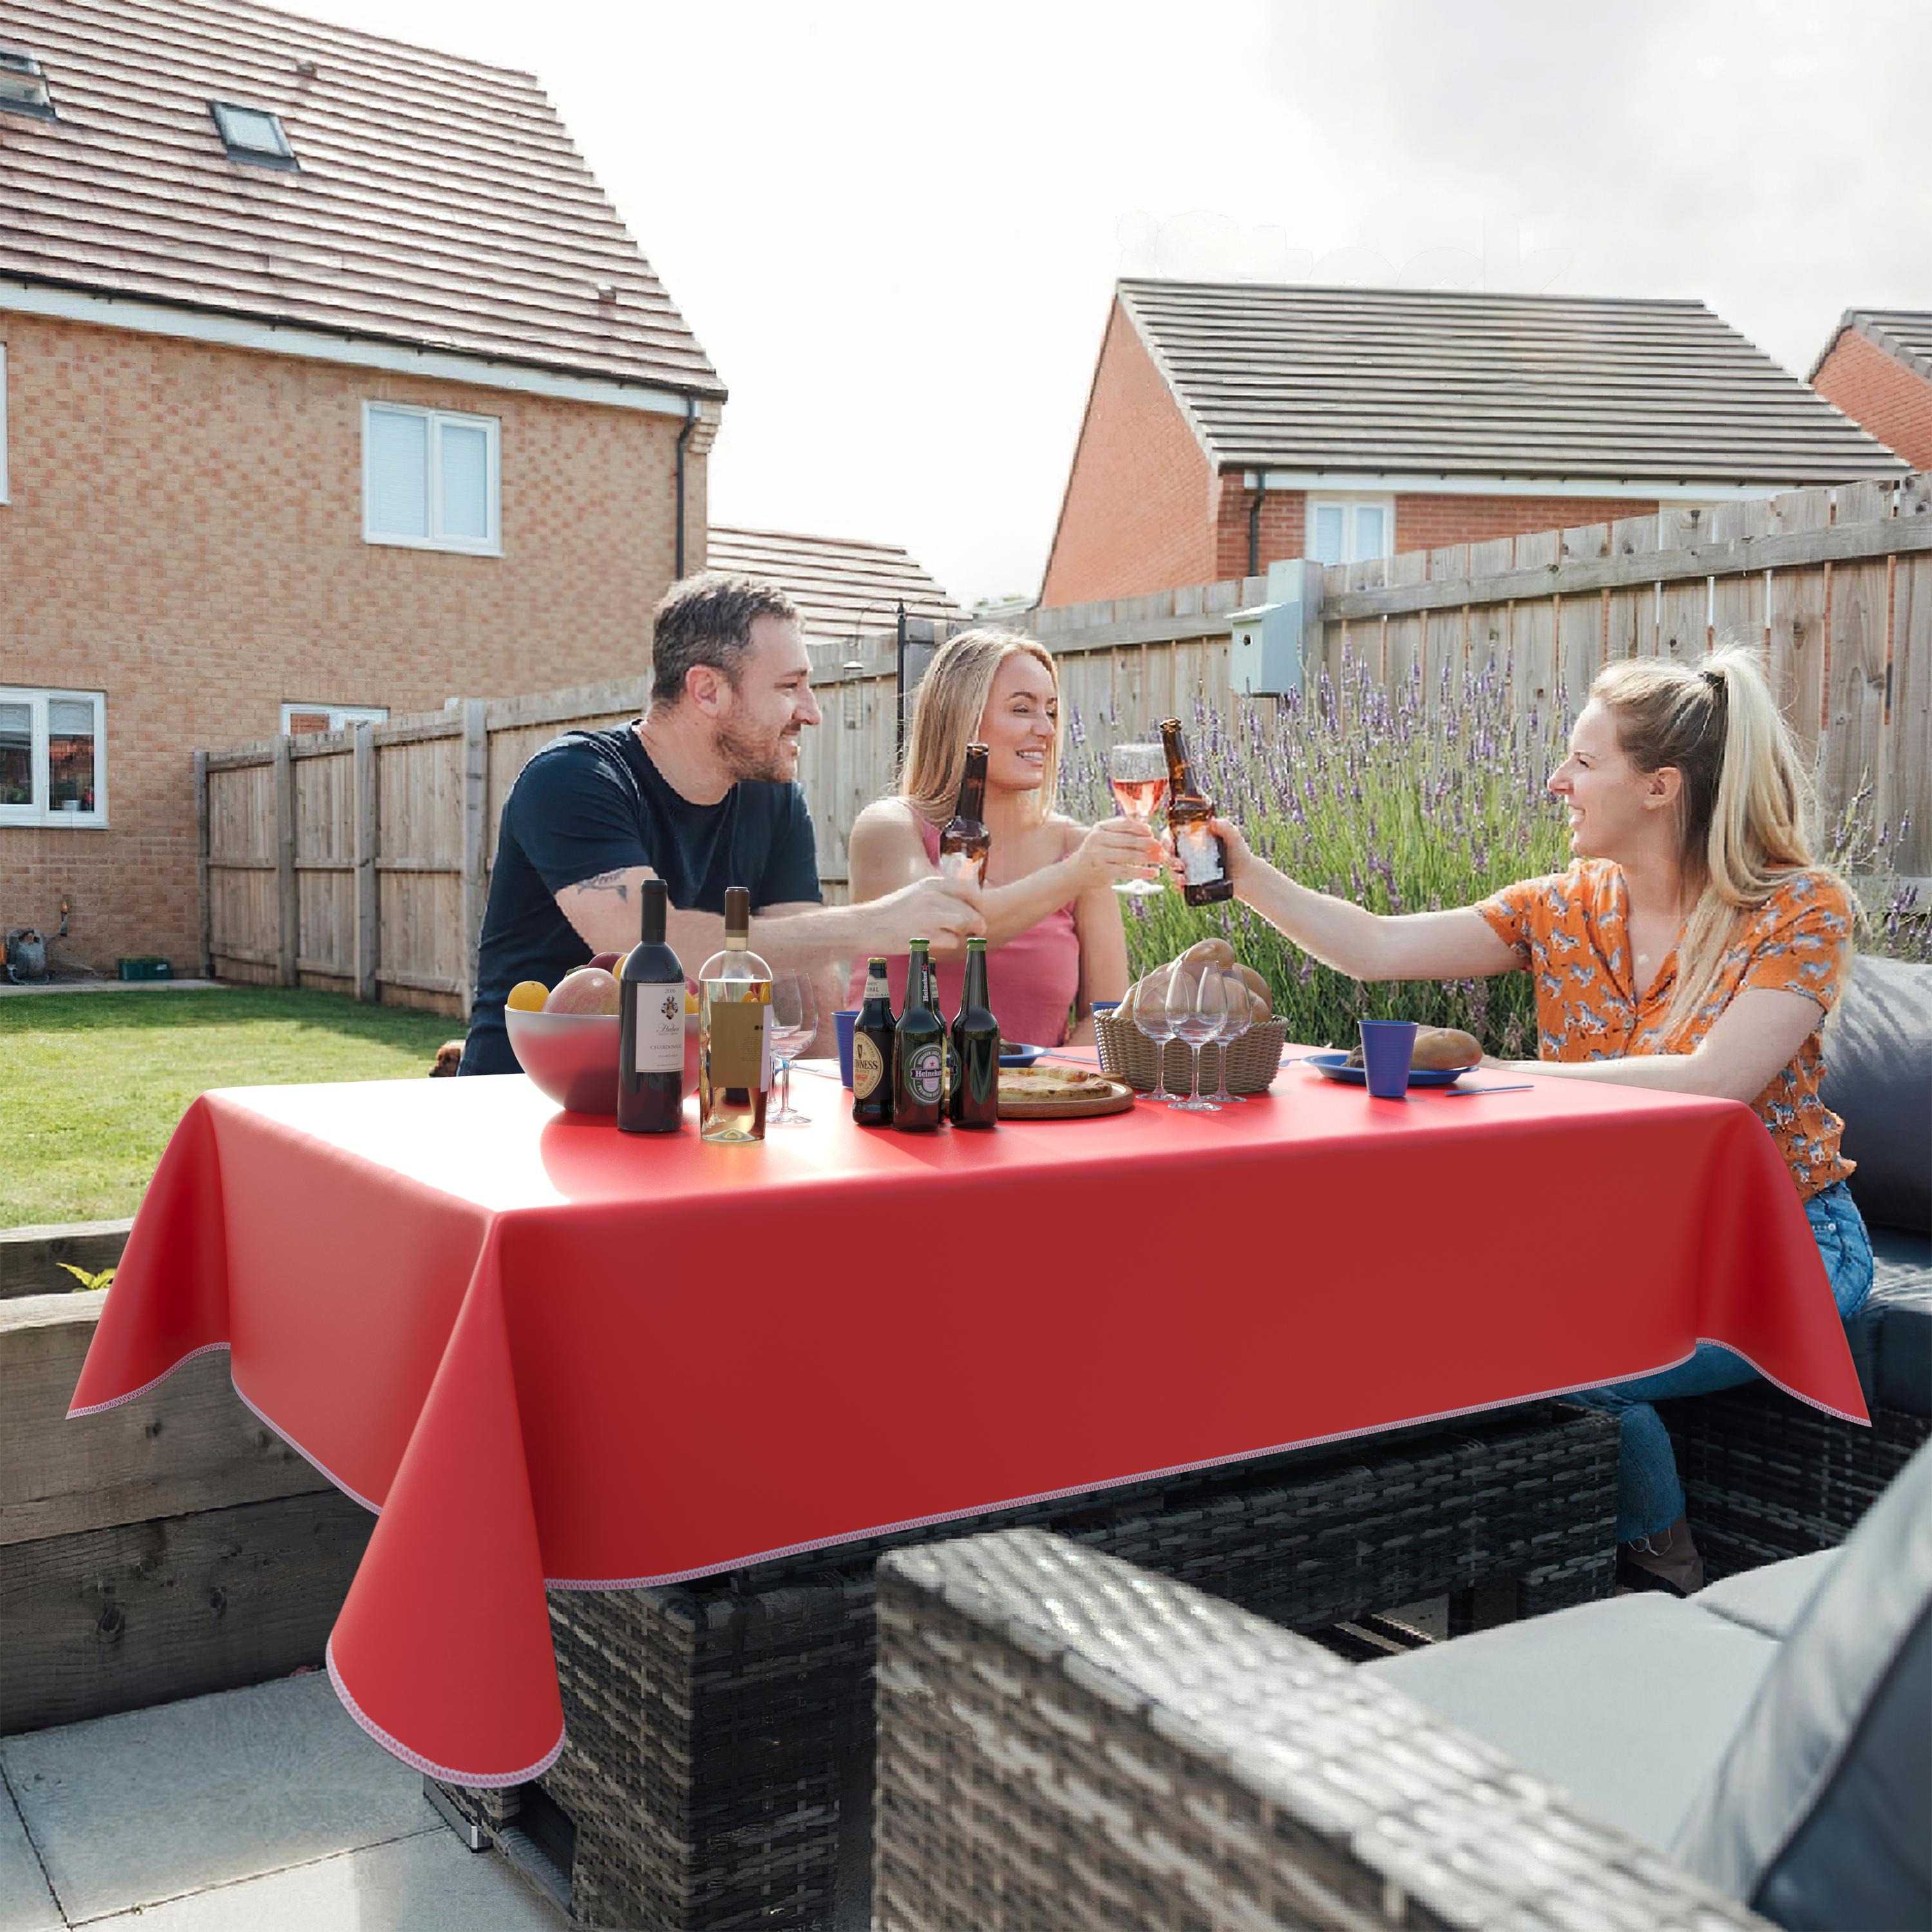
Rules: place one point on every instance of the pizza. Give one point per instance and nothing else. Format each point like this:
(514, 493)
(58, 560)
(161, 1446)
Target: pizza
(1040, 1082)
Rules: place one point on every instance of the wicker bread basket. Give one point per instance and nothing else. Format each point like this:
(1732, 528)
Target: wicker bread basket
(1253, 1060)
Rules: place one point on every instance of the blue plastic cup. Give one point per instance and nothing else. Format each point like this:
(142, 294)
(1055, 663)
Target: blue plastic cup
(1388, 1046)
(845, 1022)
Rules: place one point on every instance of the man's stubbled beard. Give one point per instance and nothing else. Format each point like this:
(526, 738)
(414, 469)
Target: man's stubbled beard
(750, 755)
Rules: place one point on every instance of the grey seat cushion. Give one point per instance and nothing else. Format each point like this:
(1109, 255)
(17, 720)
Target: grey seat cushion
(1768, 1600)
(1819, 1813)
(1628, 1706)
(1878, 1079)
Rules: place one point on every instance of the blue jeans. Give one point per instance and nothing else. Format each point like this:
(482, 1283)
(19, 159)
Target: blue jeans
(1649, 1497)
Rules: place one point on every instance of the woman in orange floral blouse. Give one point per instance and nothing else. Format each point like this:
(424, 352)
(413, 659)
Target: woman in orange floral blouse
(1695, 945)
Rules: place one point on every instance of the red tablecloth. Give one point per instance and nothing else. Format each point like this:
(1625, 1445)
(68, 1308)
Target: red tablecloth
(545, 1350)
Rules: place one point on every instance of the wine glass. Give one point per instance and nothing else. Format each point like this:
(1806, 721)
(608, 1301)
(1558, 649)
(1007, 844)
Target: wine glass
(793, 1020)
(1238, 1018)
(1152, 1017)
(1137, 775)
(1198, 1011)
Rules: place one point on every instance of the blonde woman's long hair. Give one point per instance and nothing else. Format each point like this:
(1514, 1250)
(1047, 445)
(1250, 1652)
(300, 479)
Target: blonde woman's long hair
(952, 700)
(1747, 811)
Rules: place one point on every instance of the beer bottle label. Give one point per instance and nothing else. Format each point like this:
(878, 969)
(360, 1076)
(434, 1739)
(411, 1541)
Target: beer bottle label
(926, 1073)
(659, 1037)
(1200, 853)
(959, 866)
(868, 1067)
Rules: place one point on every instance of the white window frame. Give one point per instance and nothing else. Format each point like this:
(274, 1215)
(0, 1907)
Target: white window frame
(37, 699)
(4, 496)
(1348, 505)
(341, 716)
(492, 427)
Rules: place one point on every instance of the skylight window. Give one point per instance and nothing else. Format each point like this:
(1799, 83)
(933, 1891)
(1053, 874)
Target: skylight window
(23, 87)
(252, 134)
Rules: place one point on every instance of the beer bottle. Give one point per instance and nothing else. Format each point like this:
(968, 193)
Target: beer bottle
(975, 1100)
(919, 1053)
(938, 1006)
(872, 1051)
(965, 843)
(1203, 856)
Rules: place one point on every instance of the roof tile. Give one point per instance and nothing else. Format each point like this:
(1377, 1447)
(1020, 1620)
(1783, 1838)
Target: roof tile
(844, 587)
(1423, 383)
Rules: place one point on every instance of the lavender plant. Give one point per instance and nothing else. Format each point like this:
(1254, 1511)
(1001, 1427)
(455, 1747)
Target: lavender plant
(1406, 801)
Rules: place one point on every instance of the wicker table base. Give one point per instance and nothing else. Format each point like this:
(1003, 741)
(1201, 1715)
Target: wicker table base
(718, 1769)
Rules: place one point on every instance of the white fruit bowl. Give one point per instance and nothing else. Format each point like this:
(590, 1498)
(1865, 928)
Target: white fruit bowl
(571, 1057)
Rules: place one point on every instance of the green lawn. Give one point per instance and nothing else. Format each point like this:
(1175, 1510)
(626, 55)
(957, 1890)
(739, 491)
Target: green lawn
(92, 1084)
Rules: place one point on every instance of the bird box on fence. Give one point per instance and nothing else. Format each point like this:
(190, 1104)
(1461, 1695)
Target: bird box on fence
(1265, 658)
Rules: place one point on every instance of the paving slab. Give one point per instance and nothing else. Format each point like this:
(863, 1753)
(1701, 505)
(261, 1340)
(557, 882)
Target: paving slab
(426, 1884)
(25, 1903)
(130, 1810)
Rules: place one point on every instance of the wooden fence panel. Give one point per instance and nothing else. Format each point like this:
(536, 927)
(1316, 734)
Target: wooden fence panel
(1908, 790)
(1860, 656)
(324, 863)
(1489, 624)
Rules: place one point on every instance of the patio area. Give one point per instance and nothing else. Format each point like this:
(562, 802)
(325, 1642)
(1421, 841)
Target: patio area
(263, 1807)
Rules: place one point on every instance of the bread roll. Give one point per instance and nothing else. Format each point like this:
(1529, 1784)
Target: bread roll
(1438, 1049)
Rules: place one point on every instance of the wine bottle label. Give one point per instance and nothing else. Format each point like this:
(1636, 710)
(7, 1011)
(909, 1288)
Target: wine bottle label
(659, 1033)
(738, 1048)
(1200, 854)
(868, 1067)
(926, 1073)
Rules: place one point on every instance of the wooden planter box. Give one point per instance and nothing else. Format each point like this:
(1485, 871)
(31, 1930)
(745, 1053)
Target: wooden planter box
(170, 1546)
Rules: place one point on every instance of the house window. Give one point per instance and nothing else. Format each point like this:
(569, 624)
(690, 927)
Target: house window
(53, 756)
(252, 134)
(430, 479)
(1347, 529)
(302, 719)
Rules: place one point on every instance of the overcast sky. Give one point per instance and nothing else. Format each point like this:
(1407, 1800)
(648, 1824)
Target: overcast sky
(895, 229)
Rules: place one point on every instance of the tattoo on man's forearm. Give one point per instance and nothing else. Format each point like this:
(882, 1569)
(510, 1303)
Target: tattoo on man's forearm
(610, 882)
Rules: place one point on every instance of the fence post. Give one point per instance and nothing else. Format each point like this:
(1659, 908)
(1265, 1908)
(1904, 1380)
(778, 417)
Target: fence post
(205, 942)
(475, 804)
(288, 896)
(368, 907)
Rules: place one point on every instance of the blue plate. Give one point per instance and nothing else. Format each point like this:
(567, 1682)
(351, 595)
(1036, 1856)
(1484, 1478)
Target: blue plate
(1022, 1055)
(1334, 1066)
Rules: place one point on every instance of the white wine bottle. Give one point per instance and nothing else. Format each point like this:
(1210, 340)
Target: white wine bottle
(734, 1058)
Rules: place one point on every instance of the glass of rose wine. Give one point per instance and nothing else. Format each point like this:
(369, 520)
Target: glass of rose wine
(1137, 775)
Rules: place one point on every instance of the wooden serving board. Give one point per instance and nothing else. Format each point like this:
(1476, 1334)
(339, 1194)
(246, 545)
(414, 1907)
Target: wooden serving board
(1077, 1107)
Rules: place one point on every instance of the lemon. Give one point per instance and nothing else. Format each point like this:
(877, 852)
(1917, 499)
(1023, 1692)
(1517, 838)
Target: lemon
(528, 996)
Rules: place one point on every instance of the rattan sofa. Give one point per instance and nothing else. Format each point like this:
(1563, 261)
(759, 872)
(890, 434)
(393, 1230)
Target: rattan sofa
(1067, 1745)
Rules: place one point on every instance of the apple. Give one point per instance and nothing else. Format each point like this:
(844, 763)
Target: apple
(589, 989)
(608, 961)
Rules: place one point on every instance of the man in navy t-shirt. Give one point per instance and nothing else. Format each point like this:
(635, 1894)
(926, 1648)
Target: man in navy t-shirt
(699, 792)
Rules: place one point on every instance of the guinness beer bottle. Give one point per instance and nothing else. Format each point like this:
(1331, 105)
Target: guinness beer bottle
(975, 1099)
(965, 843)
(872, 1034)
(919, 1053)
(1203, 856)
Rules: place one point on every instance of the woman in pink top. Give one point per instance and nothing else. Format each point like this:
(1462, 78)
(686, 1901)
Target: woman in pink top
(1051, 914)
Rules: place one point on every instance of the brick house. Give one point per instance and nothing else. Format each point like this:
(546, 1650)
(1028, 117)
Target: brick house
(1230, 425)
(330, 385)
(1877, 368)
